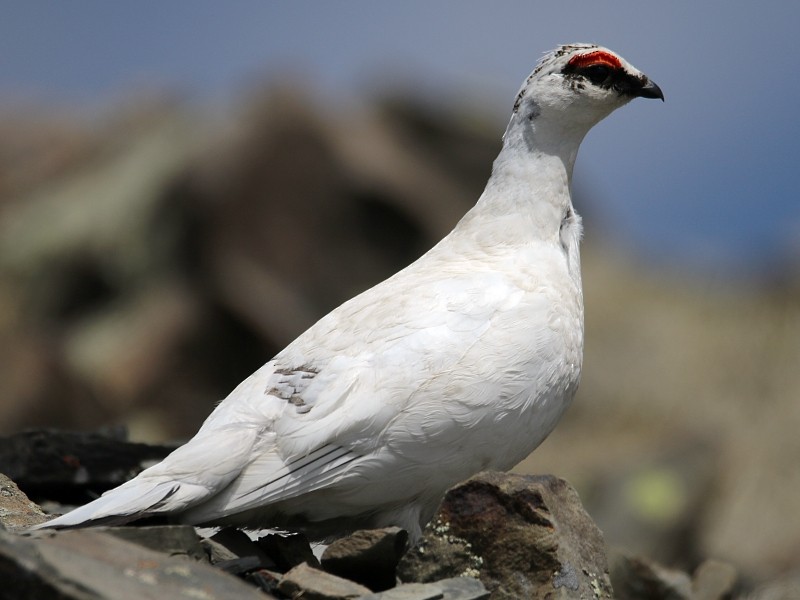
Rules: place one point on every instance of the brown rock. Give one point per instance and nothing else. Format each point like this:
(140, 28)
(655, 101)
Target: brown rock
(16, 511)
(240, 544)
(369, 557)
(288, 551)
(439, 555)
(530, 538)
(312, 584)
(265, 580)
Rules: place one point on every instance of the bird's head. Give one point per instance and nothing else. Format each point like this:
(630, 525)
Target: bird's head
(577, 85)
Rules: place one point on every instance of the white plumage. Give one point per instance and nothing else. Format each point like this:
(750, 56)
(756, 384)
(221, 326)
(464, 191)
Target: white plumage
(463, 361)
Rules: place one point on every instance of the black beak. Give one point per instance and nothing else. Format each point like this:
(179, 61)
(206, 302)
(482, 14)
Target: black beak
(648, 90)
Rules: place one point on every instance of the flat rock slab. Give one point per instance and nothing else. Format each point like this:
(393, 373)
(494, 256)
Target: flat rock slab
(455, 588)
(173, 540)
(92, 565)
(523, 536)
(309, 583)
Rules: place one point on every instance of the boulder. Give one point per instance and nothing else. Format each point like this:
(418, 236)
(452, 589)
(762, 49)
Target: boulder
(369, 557)
(523, 536)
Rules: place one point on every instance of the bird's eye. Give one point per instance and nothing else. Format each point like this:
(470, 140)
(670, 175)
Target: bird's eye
(597, 74)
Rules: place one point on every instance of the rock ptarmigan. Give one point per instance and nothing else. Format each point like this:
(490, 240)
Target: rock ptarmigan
(461, 362)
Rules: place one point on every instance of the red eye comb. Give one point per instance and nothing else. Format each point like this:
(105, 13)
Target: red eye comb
(598, 57)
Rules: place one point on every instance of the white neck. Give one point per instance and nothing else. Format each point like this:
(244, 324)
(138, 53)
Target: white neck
(529, 189)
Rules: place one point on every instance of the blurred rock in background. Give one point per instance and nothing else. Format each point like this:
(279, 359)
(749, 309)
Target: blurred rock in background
(153, 258)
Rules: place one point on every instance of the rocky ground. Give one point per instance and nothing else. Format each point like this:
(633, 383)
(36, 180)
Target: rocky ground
(498, 536)
(154, 256)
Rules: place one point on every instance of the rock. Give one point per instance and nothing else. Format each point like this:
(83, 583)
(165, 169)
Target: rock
(408, 591)
(461, 588)
(237, 542)
(312, 584)
(530, 537)
(369, 557)
(714, 580)
(265, 580)
(16, 511)
(785, 587)
(455, 588)
(635, 578)
(93, 565)
(173, 540)
(288, 550)
(63, 464)
(439, 555)
(216, 552)
(239, 566)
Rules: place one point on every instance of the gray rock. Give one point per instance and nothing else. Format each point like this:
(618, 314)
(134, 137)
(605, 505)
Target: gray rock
(92, 565)
(635, 578)
(216, 552)
(714, 580)
(455, 588)
(312, 584)
(408, 591)
(523, 536)
(173, 540)
(239, 566)
(369, 557)
(786, 587)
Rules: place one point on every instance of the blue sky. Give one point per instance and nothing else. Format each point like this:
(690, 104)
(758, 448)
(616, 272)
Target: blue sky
(705, 181)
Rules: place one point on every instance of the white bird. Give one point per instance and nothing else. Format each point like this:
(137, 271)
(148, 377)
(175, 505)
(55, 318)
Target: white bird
(461, 362)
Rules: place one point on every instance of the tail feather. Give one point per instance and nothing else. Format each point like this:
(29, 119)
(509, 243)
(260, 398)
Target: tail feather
(188, 476)
(118, 506)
